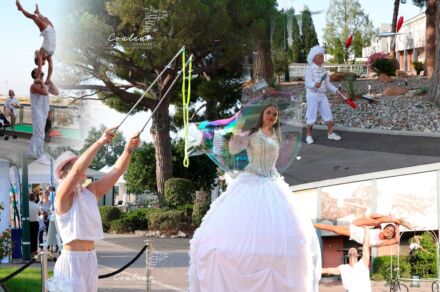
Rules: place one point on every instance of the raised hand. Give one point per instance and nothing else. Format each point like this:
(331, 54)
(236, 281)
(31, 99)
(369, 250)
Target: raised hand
(107, 136)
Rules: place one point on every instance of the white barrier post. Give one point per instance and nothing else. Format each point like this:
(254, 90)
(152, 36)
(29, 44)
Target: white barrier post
(149, 264)
(43, 260)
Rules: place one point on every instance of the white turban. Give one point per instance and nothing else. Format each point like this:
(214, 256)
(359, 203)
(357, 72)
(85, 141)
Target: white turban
(316, 50)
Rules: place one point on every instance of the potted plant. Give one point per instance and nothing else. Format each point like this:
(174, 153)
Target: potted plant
(419, 67)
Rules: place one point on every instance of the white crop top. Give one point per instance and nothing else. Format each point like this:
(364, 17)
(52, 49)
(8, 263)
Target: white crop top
(83, 220)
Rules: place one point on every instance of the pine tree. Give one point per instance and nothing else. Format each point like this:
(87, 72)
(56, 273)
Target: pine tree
(309, 36)
(296, 48)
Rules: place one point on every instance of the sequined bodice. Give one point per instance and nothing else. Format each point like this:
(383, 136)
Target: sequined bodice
(263, 154)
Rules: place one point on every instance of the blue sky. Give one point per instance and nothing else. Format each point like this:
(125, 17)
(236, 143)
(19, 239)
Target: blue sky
(20, 38)
(379, 11)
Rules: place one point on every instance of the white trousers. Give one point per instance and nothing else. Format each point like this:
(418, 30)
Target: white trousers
(75, 271)
(39, 110)
(317, 102)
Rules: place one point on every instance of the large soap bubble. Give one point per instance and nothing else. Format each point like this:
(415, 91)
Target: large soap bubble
(212, 138)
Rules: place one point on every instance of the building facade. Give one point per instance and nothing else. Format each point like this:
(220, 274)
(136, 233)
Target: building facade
(410, 43)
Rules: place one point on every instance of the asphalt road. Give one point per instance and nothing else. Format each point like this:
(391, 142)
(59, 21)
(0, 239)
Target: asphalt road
(359, 153)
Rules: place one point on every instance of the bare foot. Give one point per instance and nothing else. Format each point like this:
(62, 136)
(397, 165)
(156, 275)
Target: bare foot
(19, 7)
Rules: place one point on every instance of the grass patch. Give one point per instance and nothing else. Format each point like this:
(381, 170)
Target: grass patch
(27, 281)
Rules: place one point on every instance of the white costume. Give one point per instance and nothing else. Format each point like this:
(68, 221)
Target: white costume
(78, 269)
(49, 40)
(316, 98)
(40, 110)
(356, 278)
(357, 234)
(255, 236)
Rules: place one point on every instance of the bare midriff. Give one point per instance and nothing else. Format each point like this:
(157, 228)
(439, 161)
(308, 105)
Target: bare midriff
(80, 245)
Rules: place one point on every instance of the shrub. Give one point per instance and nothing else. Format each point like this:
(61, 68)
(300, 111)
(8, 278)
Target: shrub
(199, 211)
(178, 191)
(350, 86)
(187, 213)
(385, 66)
(108, 214)
(423, 262)
(5, 244)
(376, 56)
(422, 90)
(419, 67)
(165, 220)
(137, 219)
(377, 277)
(120, 225)
(381, 265)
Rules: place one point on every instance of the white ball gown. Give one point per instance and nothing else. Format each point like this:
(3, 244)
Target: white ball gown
(255, 236)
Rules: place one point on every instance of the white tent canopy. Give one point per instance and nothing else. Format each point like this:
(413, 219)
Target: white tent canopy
(106, 169)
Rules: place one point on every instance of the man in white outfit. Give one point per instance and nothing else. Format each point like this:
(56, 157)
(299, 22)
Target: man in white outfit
(39, 109)
(356, 274)
(317, 83)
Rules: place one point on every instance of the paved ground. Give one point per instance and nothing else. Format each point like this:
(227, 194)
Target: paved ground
(170, 263)
(169, 260)
(359, 153)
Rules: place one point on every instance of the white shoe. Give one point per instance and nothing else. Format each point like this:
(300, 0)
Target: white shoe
(43, 160)
(334, 136)
(309, 140)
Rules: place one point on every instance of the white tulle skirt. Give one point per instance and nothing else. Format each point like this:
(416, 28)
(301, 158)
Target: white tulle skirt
(255, 238)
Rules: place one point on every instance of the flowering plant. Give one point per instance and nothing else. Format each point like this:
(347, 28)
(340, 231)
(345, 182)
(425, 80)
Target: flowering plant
(5, 244)
(376, 56)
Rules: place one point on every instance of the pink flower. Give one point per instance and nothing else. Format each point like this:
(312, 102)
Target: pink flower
(376, 56)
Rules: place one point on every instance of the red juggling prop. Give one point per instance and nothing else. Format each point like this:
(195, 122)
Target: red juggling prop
(399, 23)
(348, 42)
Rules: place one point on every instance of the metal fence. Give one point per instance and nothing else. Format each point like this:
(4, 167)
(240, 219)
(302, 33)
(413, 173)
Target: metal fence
(296, 70)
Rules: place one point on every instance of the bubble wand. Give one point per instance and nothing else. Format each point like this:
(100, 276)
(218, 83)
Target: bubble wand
(182, 49)
(163, 97)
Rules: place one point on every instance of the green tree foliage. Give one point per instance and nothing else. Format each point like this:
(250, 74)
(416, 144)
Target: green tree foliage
(179, 191)
(96, 61)
(296, 48)
(424, 261)
(141, 172)
(346, 17)
(357, 44)
(109, 153)
(280, 54)
(140, 175)
(337, 50)
(201, 171)
(309, 36)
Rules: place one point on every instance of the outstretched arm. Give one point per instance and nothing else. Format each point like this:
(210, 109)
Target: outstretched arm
(39, 87)
(100, 187)
(25, 13)
(65, 192)
(366, 247)
(49, 70)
